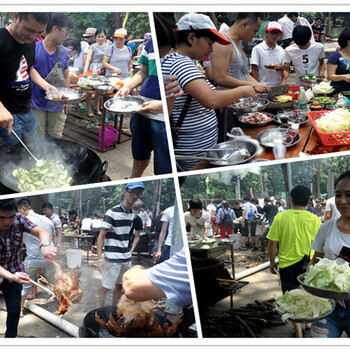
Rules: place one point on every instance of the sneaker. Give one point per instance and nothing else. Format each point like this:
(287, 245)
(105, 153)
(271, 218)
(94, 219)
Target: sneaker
(255, 249)
(243, 248)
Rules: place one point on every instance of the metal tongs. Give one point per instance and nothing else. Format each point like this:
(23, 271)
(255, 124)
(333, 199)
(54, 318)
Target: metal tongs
(39, 162)
(43, 288)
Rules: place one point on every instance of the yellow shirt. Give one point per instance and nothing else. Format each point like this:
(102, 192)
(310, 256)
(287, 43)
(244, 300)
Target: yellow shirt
(295, 230)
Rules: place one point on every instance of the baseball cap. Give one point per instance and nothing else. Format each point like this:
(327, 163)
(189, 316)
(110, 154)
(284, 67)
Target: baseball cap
(132, 185)
(120, 33)
(147, 36)
(90, 32)
(274, 26)
(197, 21)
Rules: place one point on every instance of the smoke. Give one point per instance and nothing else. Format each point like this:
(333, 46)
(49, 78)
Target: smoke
(225, 177)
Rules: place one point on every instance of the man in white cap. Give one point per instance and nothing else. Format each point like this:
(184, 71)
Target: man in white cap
(268, 52)
(80, 58)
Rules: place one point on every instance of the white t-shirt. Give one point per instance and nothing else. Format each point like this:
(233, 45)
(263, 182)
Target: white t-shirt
(305, 61)
(211, 210)
(287, 26)
(330, 206)
(86, 224)
(250, 208)
(144, 217)
(96, 223)
(262, 55)
(329, 240)
(223, 28)
(198, 225)
(168, 217)
(79, 57)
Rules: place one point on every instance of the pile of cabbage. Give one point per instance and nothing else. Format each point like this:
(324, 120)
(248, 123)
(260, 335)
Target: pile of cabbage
(50, 174)
(334, 121)
(322, 88)
(298, 304)
(327, 274)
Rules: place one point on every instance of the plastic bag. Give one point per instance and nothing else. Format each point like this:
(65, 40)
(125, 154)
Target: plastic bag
(111, 135)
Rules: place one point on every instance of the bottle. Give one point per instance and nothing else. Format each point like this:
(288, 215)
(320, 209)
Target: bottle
(302, 100)
(94, 74)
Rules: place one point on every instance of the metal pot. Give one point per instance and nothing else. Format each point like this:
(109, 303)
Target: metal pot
(92, 329)
(83, 164)
(105, 89)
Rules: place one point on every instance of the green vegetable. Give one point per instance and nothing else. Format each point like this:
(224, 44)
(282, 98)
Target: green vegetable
(310, 77)
(299, 304)
(52, 174)
(205, 246)
(323, 99)
(326, 274)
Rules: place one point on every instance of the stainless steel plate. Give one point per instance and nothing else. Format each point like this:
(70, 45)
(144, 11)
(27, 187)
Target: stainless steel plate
(126, 104)
(73, 96)
(249, 104)
(266, 138)
(323, 293)
(270, 115)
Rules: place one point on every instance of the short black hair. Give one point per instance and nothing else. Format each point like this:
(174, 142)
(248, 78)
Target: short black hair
(75, 43)
(72, 212)
(291, 14)
(237, 202)
(252, 16)
(220, 19)
(196, 203)
(59, 19)
(341, 177)
(254, 200)
(318, 18)
(300, 195)
(40, 17)
(246, 199)
(47, 205)
(181, 36)
(301, 35)
(8, 205)
(267, 199)
(344, 37)
(25, 202)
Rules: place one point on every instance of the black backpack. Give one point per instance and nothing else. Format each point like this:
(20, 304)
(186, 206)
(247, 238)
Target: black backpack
(226, 219)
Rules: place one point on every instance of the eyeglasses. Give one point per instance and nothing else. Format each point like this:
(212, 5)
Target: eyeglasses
(135, 194)
(63, 30)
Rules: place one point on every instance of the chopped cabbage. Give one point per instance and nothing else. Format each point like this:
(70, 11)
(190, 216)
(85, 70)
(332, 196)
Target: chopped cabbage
(334, 121)
(327, 274)
(298, 304)
(322, 88)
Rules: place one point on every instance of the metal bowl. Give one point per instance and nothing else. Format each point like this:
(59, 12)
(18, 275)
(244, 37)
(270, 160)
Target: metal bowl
(227, 157)
(253, 105)
(127, 104)
(270, 115)
(310, 320)
(323, 293)
(104, 89)
(72, 94)
(295, 119)
(267, 137)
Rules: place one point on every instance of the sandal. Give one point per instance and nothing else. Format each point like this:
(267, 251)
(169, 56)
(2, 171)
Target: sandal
(99, 113)
(91, 115)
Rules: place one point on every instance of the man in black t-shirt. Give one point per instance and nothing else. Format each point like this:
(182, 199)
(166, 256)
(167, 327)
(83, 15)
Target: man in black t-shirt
(318, 30)
(17, 47)
(270, 210)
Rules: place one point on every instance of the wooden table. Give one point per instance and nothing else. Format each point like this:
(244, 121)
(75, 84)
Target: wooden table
(80, 239)
(309, 140)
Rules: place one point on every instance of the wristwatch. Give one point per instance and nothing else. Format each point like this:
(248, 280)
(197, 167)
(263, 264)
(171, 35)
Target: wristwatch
(44, 244)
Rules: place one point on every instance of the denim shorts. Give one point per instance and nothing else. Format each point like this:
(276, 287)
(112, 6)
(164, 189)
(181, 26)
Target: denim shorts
(155, 245)
(333, 325)
(25, 126)
(150, 135)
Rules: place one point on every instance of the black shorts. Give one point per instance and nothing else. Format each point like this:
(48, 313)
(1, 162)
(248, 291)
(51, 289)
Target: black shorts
(245, 230)
(289, 275)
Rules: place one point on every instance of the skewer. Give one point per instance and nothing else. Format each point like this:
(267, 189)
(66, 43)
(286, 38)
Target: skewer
(55, 263)
(42, 287)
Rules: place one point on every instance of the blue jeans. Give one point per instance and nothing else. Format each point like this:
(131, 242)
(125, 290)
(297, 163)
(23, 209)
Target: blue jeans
(333, 325)
(150, 135)
(24, 125)
(12, 294)
(165, 253)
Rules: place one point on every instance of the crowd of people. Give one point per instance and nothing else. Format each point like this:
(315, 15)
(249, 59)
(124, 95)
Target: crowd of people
(200, 118)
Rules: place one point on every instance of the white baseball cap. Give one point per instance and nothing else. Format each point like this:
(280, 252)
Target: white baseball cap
(274, 26)
(120, 33)
(197, 21)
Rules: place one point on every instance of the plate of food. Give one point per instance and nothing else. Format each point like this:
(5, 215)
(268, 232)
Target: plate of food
(324, 100)
(327, 279)
(249, 104)
(256, 118)
(64, 96)
(322, 88)
(300, 306)
(268, 137)
(275, 66)
(310, 78)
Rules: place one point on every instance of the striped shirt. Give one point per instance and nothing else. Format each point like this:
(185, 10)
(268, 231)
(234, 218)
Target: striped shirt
(117, 222)
(11, 245)
(261, 219)
(199, 129)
